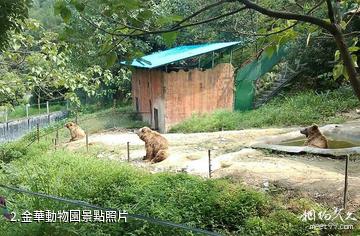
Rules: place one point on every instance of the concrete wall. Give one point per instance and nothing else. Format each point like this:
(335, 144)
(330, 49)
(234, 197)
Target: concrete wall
(178, 95)
(13, 130)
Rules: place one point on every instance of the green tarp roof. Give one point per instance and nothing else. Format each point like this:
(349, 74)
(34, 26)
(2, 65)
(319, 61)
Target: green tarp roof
(176, 54)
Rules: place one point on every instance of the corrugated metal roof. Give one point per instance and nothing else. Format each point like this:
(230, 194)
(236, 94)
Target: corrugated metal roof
(176, 54)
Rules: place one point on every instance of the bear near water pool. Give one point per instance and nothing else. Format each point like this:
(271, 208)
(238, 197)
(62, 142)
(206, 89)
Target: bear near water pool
(155, 144)
(314, 137)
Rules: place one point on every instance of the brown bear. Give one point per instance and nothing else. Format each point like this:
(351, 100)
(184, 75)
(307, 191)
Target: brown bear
(156, 145)
(314, 137)
(75, 131)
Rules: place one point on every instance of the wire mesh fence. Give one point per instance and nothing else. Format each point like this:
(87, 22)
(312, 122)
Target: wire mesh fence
(30, 110)
(16, 122)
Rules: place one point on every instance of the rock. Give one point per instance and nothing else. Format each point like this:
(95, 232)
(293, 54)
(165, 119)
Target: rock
(246, 152)
(226, 163)
(266, 185)
(100, 155)
(193, 157)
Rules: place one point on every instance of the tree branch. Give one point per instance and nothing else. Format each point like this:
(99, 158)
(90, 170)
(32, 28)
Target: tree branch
(298, 4)
(289, 16)
(116, 45)
(211, 19)
(200, 11)
(146, 32)
(271, 33)
(316, 6)
(287, 28)
(353, 15)
(90, 22)
(330, 11)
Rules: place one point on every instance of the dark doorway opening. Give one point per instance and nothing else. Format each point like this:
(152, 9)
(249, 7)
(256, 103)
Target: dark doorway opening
(137, 104)
(156, 118)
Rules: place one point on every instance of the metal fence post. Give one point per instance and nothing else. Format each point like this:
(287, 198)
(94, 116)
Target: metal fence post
(6, 114)
(128, 151)
(27, 115)
(48, 111)
(47, 108)
(346, 182)
(87, 142)
(209, 154)
(39, 105)
(55, 143)
(114, 112)
(38, 132)
(27, 110)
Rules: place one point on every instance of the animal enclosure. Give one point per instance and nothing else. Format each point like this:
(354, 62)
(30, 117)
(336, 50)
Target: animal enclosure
(164, 99)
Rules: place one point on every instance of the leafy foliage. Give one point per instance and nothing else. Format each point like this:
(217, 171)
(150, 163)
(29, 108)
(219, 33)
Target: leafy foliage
(339, 68)
(12, 13)
(40, 63)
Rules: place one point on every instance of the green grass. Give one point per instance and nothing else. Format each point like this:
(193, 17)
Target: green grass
(301, 109)
(120, 117)
(219, 205)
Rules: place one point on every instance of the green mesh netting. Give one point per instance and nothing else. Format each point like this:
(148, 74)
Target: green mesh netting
(246, 76)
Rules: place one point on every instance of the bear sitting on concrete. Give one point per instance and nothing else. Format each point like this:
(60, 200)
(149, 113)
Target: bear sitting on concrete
(76, 132)
(314, 137)
(156, 145)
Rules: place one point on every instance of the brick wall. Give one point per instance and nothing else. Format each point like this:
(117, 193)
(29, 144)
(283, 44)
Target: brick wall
(178, 95)
(197, 91)
(147, 89)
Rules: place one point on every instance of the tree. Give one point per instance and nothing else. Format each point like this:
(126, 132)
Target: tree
(11, 12)
(36, 61)
(332, 27)
(133, 19)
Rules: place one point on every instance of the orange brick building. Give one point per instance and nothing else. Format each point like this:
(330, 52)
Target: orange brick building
(165, 96)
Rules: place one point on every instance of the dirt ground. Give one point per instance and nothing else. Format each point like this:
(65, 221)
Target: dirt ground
(319, 177)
